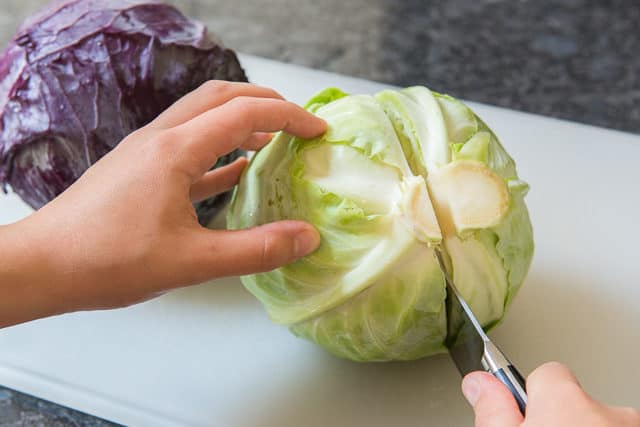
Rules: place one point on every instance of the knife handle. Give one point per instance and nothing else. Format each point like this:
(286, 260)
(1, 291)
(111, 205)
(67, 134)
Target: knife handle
(510, 377)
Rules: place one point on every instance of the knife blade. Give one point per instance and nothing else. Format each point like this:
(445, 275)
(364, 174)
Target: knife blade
(470, 347)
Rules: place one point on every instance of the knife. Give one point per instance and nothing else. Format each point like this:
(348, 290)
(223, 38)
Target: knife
(469, 346)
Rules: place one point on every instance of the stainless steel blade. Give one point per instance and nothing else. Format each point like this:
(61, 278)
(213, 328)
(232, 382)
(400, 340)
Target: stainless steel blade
(471, 349)
(466, 339)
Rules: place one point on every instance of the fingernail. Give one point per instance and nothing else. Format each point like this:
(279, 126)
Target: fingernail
(471, 389)
(305, 242)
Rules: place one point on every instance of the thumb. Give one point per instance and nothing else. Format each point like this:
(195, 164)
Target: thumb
(493, 404)
(258, 249)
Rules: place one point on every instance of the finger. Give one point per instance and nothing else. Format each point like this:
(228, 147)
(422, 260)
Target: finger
(257, 140)
(263, 248)
(493, 404)
(551, 375)
(218, 181)
(221, 130)
(553, 389)
(209, 95)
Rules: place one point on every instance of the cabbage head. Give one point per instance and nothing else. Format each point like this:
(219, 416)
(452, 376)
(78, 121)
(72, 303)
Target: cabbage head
(81, 75)
(396, 175)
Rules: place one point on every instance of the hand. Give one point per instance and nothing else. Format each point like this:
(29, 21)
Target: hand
(127, 231)
(554, 399)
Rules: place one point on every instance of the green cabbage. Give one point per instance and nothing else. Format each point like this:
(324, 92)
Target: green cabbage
(395, 175)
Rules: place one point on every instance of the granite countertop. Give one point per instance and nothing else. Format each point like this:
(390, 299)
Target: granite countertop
(570, 59)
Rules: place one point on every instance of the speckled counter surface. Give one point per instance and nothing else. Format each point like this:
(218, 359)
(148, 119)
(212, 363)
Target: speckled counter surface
(570, 59)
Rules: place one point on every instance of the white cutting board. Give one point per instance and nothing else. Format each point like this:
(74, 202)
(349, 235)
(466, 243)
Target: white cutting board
(208, 356)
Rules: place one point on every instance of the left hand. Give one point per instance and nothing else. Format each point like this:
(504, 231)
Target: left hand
(127, 230)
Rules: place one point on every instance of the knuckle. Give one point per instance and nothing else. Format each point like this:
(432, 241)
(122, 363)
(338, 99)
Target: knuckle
(532, 378)
(242, 107)
(272, 253)
(293, 106)
(271, 92)
(166, 140)
(552, 366)
(214, 87)
(544, 371)
(265, 255)
(166, 147)
(242, 102)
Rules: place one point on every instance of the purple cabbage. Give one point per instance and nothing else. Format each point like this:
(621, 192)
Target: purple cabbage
(82, 74)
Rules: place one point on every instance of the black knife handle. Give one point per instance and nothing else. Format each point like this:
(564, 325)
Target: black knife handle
(510, 377)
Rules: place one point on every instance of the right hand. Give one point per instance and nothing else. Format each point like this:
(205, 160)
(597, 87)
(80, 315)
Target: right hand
(555, 398)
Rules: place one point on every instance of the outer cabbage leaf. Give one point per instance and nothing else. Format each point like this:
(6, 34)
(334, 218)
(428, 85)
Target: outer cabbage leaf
(399, 317)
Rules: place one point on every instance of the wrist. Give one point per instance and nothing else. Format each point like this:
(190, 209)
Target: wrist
(29, 288)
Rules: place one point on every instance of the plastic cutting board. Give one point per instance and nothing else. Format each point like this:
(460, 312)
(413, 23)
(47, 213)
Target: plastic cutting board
(209, 356)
